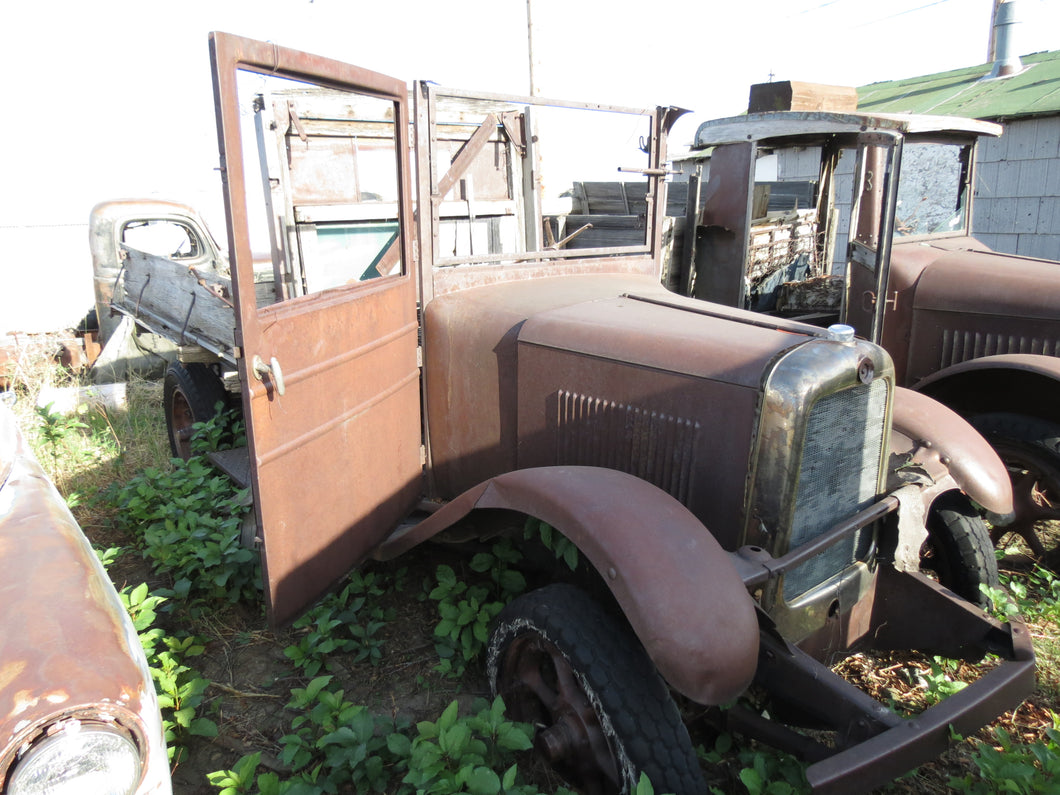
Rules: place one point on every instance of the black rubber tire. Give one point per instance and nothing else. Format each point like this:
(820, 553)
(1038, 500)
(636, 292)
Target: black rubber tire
(632, 704)
(1020, 428)
(190, 394)
(958, 550)
(1030, 448)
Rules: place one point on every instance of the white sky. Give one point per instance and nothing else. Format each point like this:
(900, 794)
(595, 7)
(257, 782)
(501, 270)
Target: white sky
(113, 98)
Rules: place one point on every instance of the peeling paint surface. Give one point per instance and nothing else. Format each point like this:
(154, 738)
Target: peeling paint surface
(67, 647)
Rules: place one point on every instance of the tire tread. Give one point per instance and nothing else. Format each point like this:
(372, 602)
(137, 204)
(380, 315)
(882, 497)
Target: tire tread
(614, 666)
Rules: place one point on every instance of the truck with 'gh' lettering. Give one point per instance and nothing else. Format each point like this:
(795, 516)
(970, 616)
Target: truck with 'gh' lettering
(867, 220)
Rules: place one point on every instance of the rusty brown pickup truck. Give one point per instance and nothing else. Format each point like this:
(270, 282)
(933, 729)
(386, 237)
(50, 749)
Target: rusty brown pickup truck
(756, 497)
(885, 202)
(78, 711)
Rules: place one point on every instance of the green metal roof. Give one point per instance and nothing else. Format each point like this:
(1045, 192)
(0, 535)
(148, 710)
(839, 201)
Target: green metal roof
(1035, 91)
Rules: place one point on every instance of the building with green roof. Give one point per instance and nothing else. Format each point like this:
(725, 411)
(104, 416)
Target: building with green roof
(1017, 208)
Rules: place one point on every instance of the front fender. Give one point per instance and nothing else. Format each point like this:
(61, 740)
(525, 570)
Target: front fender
(950, 450)
(1020, 383)
(677, 587)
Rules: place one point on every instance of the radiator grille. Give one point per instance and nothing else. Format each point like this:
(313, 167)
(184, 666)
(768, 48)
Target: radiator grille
(961, 346)
(653, 446)
(838, 476)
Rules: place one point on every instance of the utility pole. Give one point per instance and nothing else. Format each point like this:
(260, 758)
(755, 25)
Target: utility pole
(533, 182)
(530, 45)
(991, 46)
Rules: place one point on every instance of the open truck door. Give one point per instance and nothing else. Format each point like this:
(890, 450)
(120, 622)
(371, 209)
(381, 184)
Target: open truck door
(329, 371)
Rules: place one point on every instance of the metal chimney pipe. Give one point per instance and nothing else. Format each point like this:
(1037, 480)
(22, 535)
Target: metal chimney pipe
(1006, 59)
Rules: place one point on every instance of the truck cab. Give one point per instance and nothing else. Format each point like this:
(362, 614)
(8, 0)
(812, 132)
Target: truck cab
(870, 224)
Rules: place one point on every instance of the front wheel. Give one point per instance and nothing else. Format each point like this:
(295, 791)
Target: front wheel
(1030, 448)
(958, 550)
(581, 677)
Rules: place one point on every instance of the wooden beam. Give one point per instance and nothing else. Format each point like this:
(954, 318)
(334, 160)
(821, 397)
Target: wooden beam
(788, 95)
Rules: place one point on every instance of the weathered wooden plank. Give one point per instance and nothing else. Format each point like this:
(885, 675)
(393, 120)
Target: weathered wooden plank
(624, 198)
(790, 195)
(790, 95)
(676, 198)
(186, 302)
(603, 198)
(607, 230)
(760, 201)
(636, 193)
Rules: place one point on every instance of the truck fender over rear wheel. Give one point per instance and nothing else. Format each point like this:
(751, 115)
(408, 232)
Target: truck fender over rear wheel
(958, 550)
(190, 394)
(1030, 448)
(581, 677)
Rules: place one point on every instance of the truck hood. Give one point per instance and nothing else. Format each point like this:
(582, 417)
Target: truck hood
(477, 341)
(664, 332)
(962, 275)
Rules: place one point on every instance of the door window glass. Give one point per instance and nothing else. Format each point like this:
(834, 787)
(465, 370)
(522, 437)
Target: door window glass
(326, 202)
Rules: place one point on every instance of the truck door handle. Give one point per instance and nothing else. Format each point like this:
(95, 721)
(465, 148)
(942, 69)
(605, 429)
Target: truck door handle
(273, 370)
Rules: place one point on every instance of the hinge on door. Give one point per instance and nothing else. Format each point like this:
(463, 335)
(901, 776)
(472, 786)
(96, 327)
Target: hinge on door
(423, 455)
(419, 356)
(514, 125)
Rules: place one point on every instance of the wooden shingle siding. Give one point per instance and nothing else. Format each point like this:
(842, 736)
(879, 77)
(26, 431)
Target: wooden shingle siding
(1017, 208)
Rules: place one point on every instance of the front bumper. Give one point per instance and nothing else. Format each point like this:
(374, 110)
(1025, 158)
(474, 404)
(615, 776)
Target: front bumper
(873, 744)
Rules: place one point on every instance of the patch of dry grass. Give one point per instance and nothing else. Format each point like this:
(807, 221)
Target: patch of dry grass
(84, 441)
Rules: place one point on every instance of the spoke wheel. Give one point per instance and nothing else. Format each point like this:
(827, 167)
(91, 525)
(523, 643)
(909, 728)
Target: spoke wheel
(1030, 449)
(601, 711)
(190, 394)
(540, 683)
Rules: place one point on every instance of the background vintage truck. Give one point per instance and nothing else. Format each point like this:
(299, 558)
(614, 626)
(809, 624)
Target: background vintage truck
(886, 203)
(436, 364)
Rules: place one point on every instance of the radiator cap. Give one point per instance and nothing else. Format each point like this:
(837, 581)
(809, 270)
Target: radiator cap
(841, 332)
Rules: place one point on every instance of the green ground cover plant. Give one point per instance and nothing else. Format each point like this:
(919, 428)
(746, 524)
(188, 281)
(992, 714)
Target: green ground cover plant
(335, 746)
(181, 691)
(349, 621)
(188, 517)
(466, 609)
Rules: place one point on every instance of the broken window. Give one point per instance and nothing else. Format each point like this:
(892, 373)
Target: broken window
(163, 237)
(931, 194)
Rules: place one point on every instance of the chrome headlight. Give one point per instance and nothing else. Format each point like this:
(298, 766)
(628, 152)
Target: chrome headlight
(76, 758)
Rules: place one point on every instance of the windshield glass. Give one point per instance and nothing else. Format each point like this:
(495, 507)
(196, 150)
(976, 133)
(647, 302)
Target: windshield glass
(931, 195)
